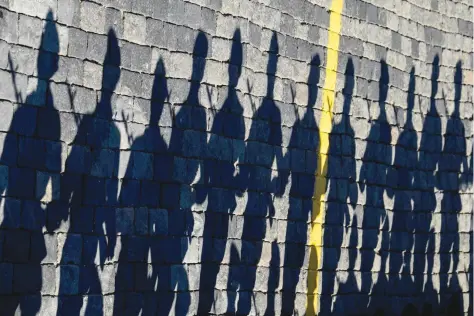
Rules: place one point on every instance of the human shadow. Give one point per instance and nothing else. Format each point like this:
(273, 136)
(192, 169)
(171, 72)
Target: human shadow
(31, 152)
(452, 164)
(140, 194)
(376, 163)
(342, 194)
(303, 140)
(180, 169)
(89, 182)
(403, 218)
(428, 158)
(222, 186)
(262, 148)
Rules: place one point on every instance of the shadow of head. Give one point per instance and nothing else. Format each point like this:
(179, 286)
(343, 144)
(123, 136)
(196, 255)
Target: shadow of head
(313, 79)
(159, 93)
(411, 90)
(111, 71)
(272, 65)
(383, 81)
(434, 76)
(273, 55)
(349, 78)
(236, 58)
(200, 50)
(48, 58)
(457, 84)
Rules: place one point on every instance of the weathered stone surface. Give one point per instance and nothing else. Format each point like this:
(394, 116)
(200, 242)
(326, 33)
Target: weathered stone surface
(172, 149)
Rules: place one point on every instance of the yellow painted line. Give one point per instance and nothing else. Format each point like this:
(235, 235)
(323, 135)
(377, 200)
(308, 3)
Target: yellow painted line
(325, 126)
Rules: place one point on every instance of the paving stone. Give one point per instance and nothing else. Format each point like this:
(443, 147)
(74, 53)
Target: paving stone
(92, 17)
(190, 169)
(134, 28)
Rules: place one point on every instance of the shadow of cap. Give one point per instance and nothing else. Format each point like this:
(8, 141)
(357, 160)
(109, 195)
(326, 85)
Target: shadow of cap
(314, 71)
(50, 37)
(384, 75)
(349, 78)
(200, 50)
(435, 68)
(273, 55)
(201, 45)
(457, 84)
(111, 70)
(112, 56)
(411, 90)
(236, 59)
(236, 53)
(48, 58)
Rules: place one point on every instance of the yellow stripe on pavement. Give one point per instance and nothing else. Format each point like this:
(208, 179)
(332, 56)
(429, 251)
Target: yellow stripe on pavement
(325, 126)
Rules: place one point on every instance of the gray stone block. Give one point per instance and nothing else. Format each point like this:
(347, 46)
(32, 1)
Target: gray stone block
(215, 5)
(114, 21)
(170, 35)
(7, 109)
(351, 8)
(314, 34)
(107, 279)
(305, 51)
(6, 271)
(9, 26)
(255, 34)
(396, 41)
(34, 8)
(291, 47)
(8, 92)
(69, 276)
(49, 305)
(96, 47)
(143, 7)
(48, 273)
(158, 222)
(124, 220)
(92, 17)
(69, 12)
(179, 278)
(51, 245)
(208, 21)
(140, 58)
(176, 11)
(124, 5)
(77, 43)
(134, 29)
(465, 27)
(372, 14)
(73, 70)
(142, 165)
(84, 101)
(155, 33)
(352, 46)
(30, 31)
(130, 83)
(160, 9)
(192, 15)
(186, 39)
(381, 16)
(362, 10)
(194, 276)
